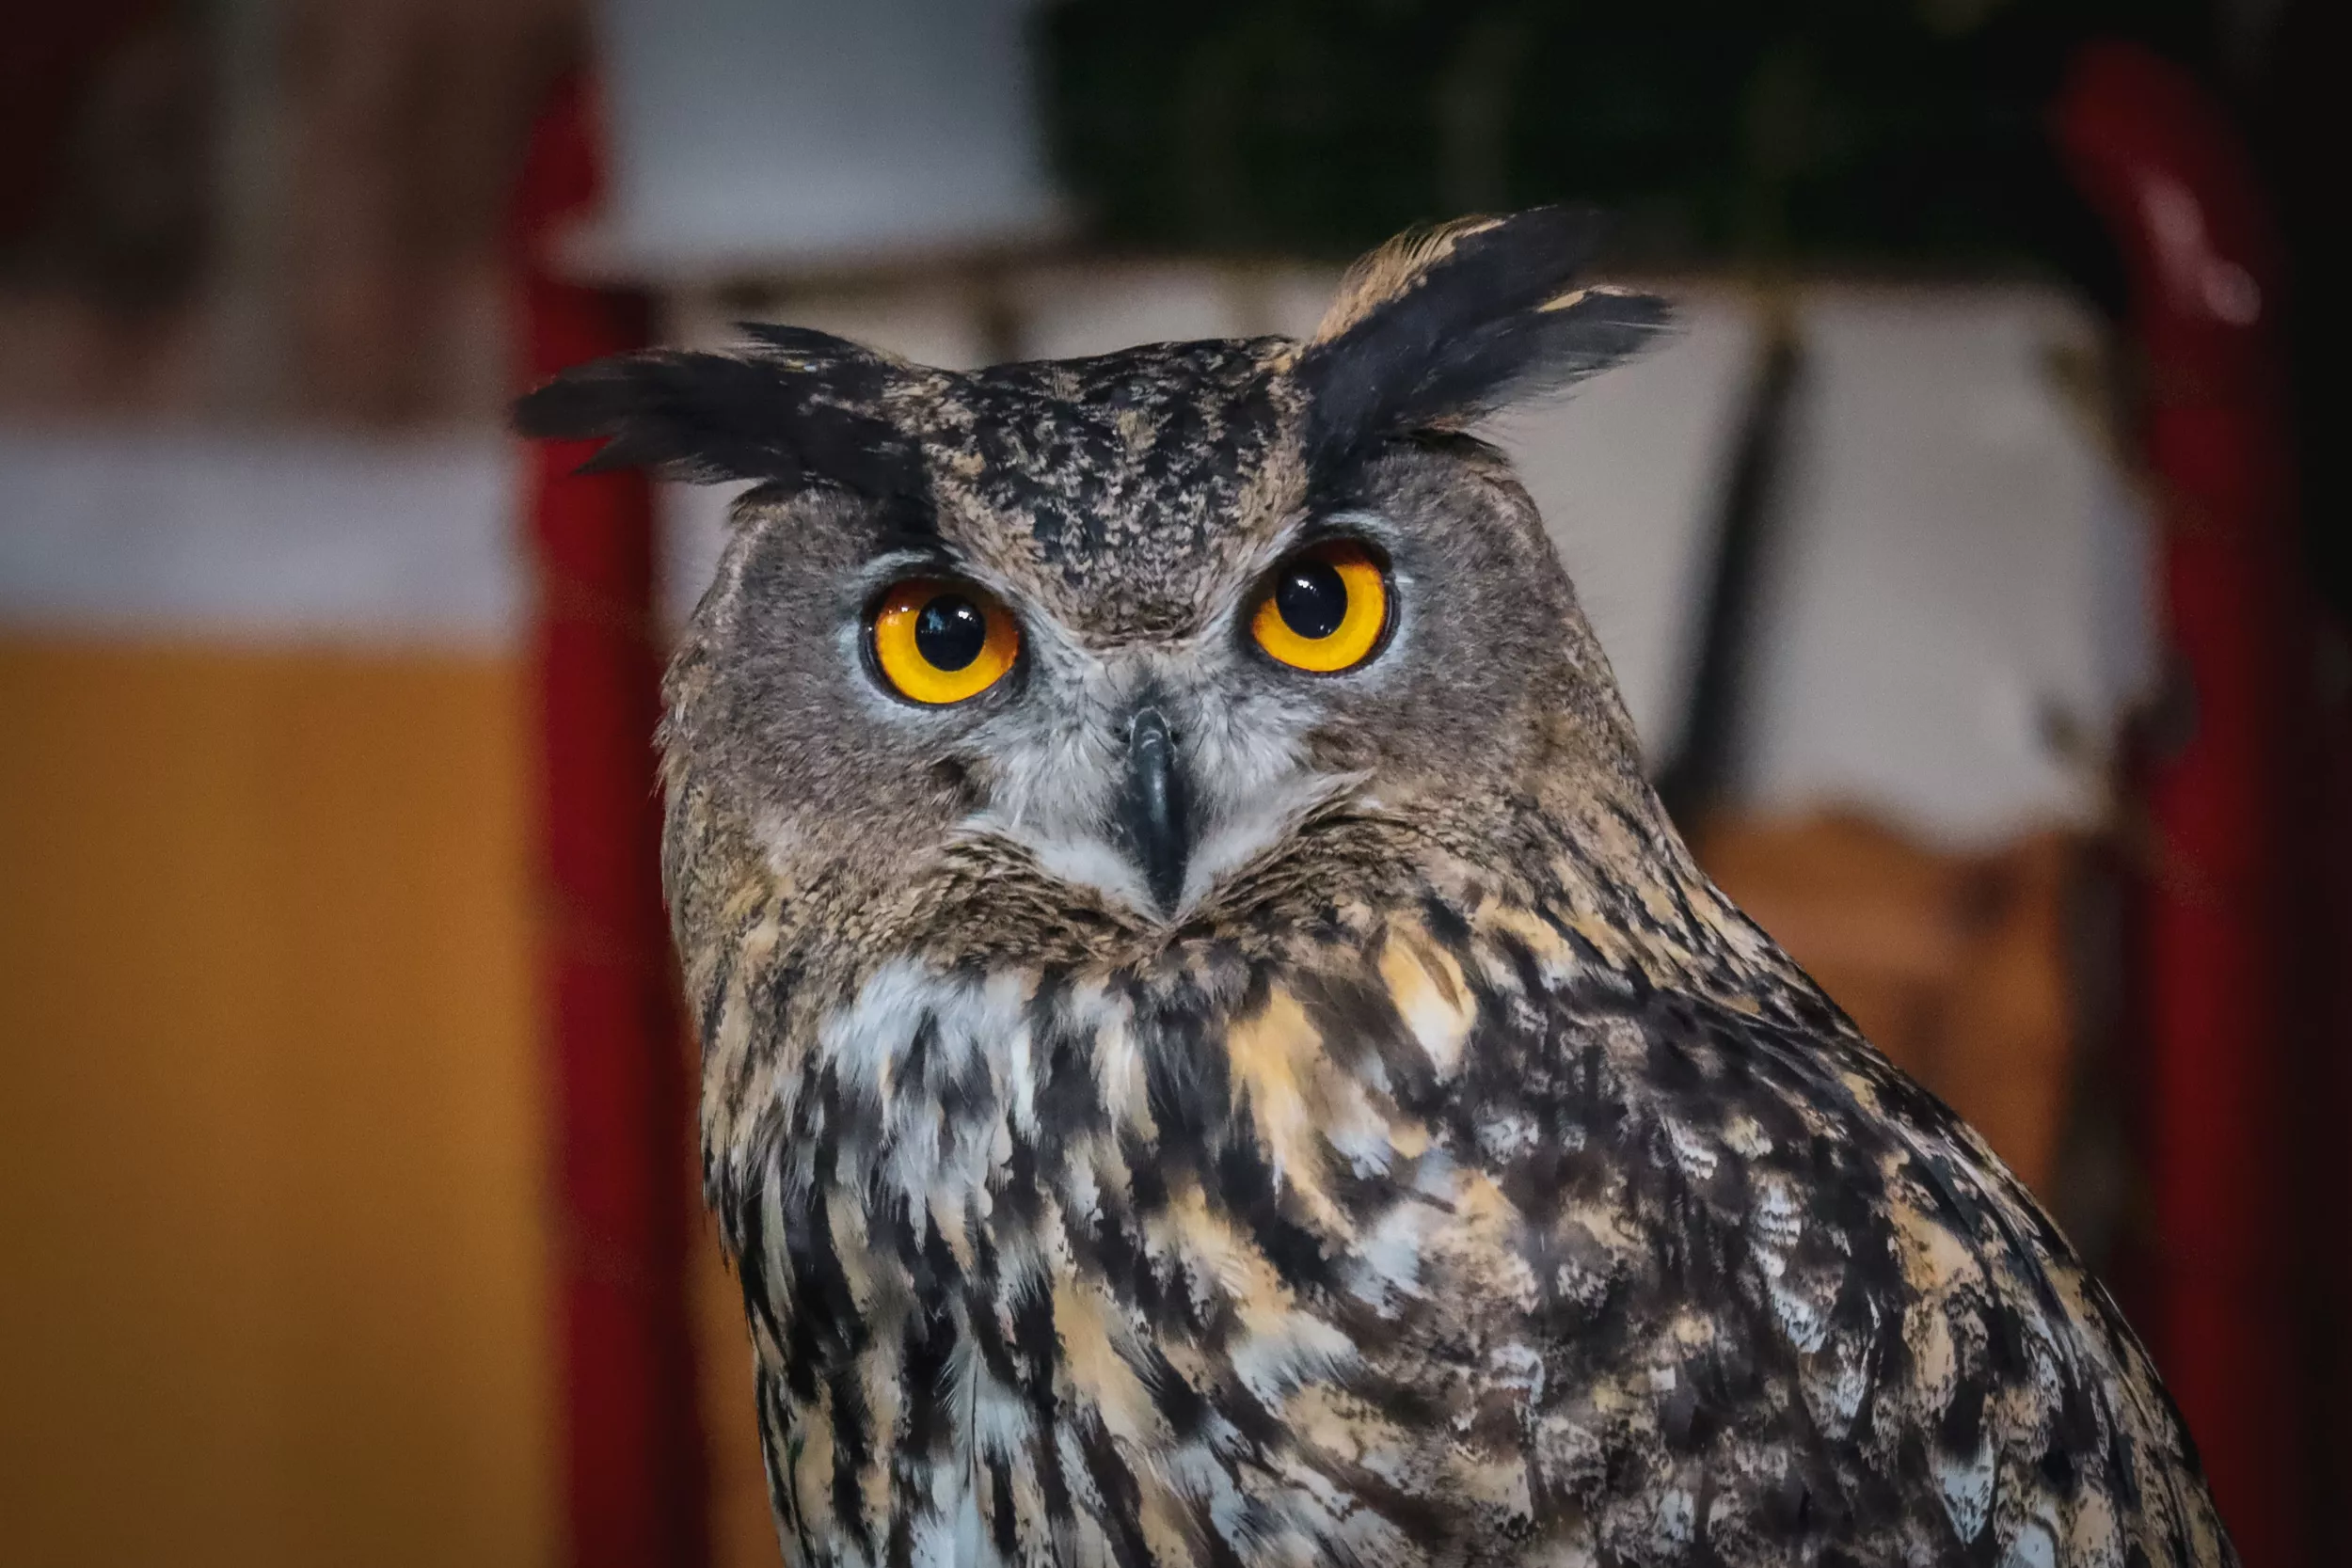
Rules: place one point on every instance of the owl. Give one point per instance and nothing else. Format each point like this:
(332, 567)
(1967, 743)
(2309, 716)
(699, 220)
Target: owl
(1213, 1053)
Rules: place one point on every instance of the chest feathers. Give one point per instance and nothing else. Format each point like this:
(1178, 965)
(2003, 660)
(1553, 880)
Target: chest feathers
(1445, 1242)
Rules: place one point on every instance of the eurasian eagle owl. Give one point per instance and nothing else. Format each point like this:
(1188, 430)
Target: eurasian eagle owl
(1215, 1055)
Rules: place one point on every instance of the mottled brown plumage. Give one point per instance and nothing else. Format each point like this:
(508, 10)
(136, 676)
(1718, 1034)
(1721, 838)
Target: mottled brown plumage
(1438, 1170)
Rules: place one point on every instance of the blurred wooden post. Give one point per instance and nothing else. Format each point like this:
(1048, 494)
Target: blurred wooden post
(2230, 900)
(633, 1471)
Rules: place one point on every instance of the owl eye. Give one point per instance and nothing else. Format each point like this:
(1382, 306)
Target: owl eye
(1325, 608)
(940, 642)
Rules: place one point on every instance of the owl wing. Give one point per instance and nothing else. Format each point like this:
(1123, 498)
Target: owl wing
(1624, 1271)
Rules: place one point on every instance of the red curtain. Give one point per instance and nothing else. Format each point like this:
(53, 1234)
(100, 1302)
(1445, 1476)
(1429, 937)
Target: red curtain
(632, 1442)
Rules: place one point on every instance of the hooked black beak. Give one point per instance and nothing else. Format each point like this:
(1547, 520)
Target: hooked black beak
(1151, 807)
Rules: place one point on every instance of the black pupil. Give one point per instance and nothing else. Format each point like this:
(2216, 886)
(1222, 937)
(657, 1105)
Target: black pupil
(1311, 598)
(949, 631)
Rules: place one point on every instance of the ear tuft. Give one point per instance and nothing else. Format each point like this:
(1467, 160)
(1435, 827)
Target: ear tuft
(1387, 275)
(799, 407)
(1438, 328)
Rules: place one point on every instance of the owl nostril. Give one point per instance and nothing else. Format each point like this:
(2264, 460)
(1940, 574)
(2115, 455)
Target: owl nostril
(1149, 728)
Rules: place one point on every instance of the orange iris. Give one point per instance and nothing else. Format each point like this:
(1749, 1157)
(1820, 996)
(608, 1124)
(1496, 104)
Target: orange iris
(941, 642)
(1326, 610)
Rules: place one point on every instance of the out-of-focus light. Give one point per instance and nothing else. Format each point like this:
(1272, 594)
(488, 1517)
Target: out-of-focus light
(2202, 280)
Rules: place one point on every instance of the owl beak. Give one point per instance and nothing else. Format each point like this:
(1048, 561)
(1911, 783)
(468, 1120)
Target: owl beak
(1151, 807)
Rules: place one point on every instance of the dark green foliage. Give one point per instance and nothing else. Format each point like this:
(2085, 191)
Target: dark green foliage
(1719, 129)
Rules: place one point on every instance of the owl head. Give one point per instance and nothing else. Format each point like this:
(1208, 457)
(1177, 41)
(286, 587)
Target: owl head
(1105, 647)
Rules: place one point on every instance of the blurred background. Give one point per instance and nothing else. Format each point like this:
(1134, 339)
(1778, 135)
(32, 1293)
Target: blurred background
(1974, 561)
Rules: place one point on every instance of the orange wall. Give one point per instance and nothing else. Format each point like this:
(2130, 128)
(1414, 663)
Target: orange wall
(274, 1284)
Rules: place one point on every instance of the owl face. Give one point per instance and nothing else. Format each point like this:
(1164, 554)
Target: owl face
(924, 692)
(1123, 630)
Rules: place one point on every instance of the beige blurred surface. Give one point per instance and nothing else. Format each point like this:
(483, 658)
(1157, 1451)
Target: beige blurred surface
(271, 1143)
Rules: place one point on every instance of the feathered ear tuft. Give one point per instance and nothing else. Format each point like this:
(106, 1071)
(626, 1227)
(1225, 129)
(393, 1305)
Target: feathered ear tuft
(800, 407)
(1437, 328)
